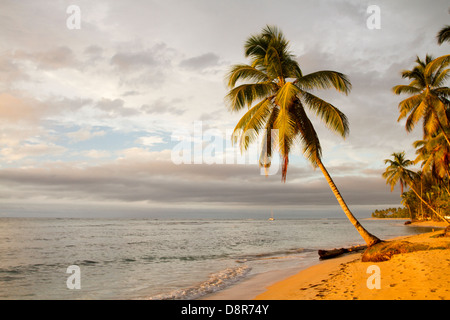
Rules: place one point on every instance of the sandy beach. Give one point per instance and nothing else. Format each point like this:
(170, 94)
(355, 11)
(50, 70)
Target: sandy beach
(423, 275)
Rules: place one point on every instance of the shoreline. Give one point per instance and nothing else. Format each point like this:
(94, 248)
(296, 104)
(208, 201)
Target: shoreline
(420, 275)
(430, 223)
(345, 277)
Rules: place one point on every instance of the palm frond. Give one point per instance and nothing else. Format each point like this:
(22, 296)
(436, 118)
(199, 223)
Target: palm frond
(286, 95)
(441, 77)
(437, 63)
(409, 104)
(251, 123)
(308, 137)
(325, 80)
(408, 89)
(415, 115)
(245, 72)
(333, 118)
(247, 94)
(443, 35)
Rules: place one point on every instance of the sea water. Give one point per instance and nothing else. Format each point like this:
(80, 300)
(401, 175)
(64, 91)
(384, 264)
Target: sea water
(161, 259)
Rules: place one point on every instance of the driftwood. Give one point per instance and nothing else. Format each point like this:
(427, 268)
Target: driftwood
(328, 254)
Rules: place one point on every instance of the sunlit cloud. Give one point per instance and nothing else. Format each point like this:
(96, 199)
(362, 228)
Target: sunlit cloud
(88, 115)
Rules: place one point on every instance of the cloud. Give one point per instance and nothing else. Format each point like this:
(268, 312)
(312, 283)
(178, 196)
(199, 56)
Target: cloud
(134, 73)
(96, 154)
(133, 61)
(200, 62)
(84, 134)
(30, 150)
(156, 57)
(161, 106)
(115, 108)
(150, 140)
(55, 58)
(138, 177)
(17, 109)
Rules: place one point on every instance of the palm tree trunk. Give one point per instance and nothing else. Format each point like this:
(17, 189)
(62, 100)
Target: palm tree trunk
(368, 238)
(418, 196)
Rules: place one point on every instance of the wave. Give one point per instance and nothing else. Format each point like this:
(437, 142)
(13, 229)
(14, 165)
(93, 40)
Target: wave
(271, 255)
(216, 281)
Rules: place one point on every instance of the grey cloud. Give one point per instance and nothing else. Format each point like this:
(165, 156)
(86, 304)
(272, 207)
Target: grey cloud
(161, 106)
(162, 182)
(130, 61)
(200, 62)
(93, 51)
(9, 71)
(143, 68)
(115, 108)
(155, 57)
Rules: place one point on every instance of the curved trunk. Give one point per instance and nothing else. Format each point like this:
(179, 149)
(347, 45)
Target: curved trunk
(368, 238)
(431, 208)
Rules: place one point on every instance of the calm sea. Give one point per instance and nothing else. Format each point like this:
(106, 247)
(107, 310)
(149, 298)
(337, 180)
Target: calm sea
(161, 259)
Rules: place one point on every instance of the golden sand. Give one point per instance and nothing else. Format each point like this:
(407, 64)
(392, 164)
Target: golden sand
(423, 275)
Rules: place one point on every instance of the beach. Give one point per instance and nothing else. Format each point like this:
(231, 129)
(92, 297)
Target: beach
(423, 275)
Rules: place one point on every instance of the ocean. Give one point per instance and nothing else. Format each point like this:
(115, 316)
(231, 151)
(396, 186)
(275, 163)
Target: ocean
(161, 259)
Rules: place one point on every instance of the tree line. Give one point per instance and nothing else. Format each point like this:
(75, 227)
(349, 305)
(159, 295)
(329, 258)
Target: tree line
(428, 102)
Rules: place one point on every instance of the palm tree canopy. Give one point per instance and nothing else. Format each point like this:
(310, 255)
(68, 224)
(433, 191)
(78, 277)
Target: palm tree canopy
(428, 96)
(397, 171)
(443, 35)
(434, 155)
(277, 96)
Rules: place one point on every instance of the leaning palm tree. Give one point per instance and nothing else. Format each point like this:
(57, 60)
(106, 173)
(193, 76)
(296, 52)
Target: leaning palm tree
(398, 172)
(443, 35)
(277, 96)
(428, 96)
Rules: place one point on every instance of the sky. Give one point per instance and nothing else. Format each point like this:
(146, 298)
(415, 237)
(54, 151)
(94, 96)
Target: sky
(98, 107)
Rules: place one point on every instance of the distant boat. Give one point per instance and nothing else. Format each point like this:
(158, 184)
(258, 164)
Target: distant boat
(271, 216)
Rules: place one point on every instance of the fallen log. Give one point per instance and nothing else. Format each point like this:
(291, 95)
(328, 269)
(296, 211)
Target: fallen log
(328, 254)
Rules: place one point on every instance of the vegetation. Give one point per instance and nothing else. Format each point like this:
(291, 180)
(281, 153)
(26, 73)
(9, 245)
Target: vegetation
(391, 213)
(428, 196)
(443, 35)
(278, 96)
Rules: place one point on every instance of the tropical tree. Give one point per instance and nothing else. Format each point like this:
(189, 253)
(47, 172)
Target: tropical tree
(398, 172)
(443, 35)
(429, 98)
(434, 155)
(278, 96)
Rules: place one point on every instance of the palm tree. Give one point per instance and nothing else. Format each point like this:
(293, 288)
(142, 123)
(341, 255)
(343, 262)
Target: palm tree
(397, 172)
(434, 153)
(443, 35)
(428, 100)
(277, 96)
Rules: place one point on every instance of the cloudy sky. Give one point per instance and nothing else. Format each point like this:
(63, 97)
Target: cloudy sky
(91, 119)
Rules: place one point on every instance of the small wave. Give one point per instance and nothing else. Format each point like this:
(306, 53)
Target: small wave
(198, 257)
(88, 262)
(271, 255)
(216, 281)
